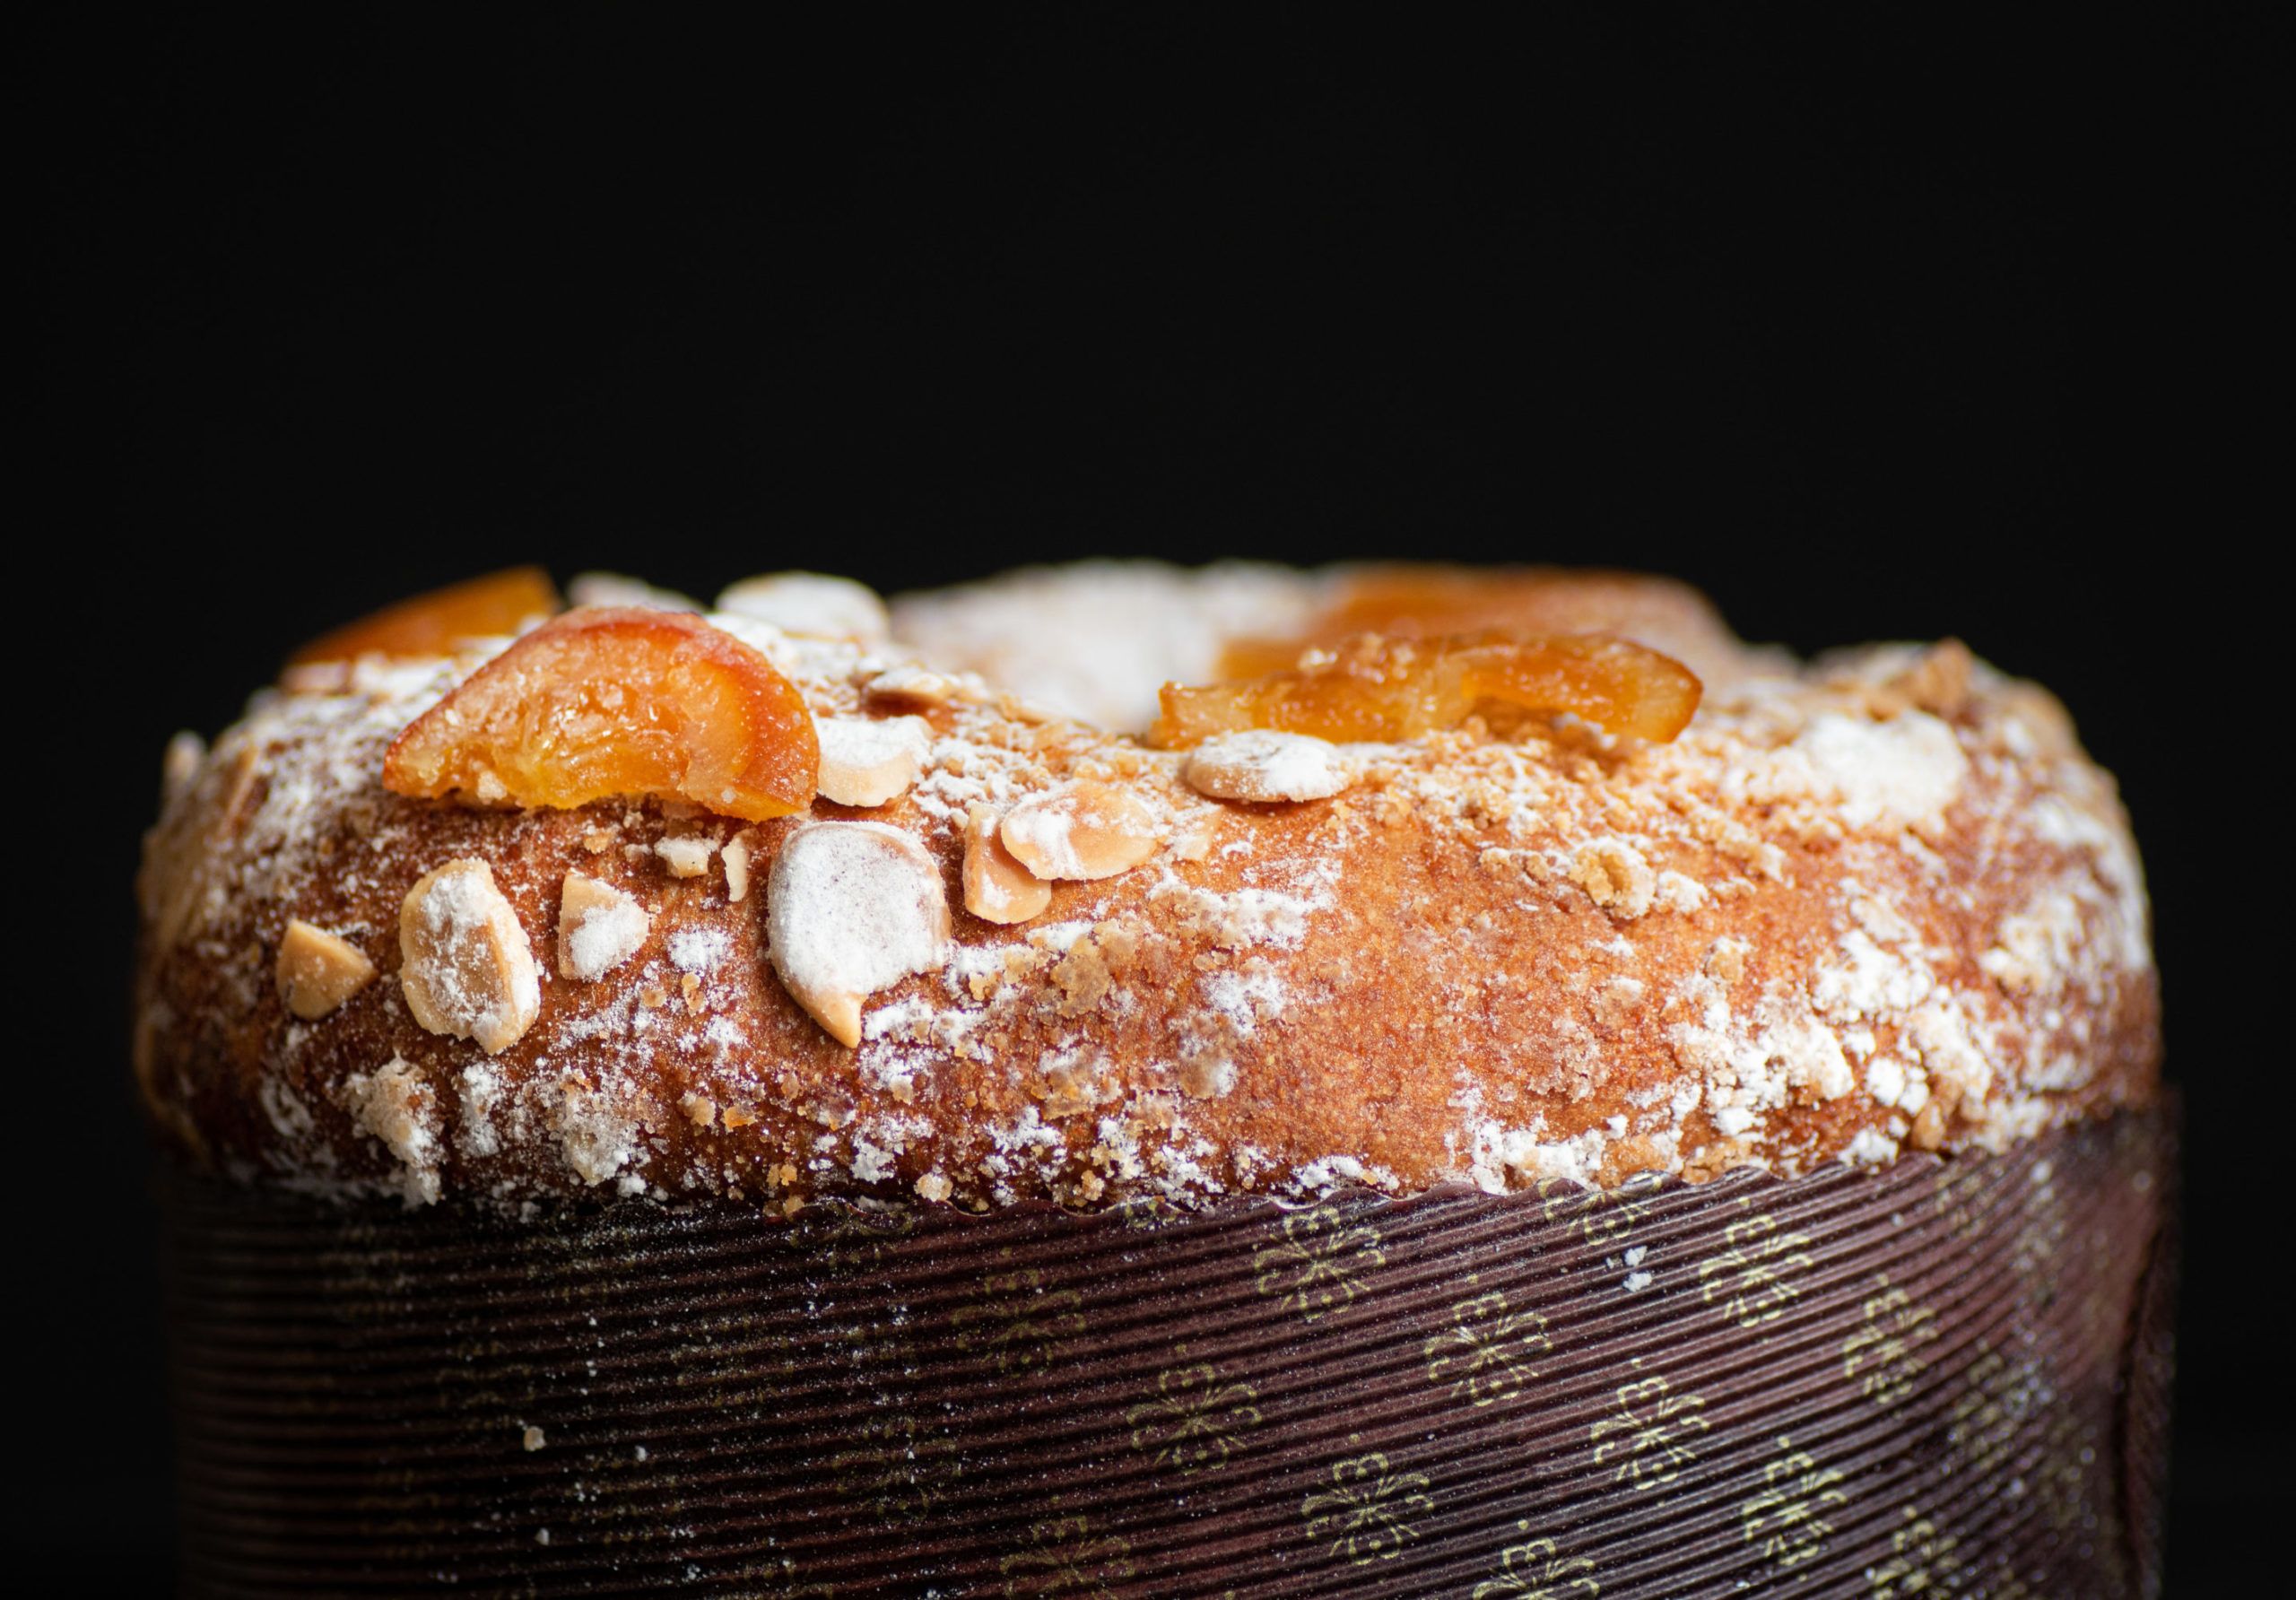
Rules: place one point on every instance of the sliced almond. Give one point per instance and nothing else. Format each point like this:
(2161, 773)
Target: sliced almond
(318, 677)
(465, 965)
(853, 908)
(813, 604)
(1261, 768)
(613, 588)
(1939, 683)
(867, 760)
(241, 783)
(735, 854)
(909, 686)
(1080, 830)
(318, 972)
(687, 856)
(997, 887)
(187, 752)
(599, 928)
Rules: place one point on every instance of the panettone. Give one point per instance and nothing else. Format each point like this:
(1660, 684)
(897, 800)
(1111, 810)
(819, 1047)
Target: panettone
(1397, 937)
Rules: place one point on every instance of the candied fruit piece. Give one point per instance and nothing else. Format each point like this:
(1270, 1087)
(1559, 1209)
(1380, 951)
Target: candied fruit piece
(1406, 600)
(1374, 688)
(433, 624)
(617, 700)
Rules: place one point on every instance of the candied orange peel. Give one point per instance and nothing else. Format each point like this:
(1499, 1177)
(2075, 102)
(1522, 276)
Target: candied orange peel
(1425, 600)
(435, 623)
(617, 701)
(1373, 688)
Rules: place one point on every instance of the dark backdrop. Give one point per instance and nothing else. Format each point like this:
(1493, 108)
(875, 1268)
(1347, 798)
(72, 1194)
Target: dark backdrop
(1874, 326)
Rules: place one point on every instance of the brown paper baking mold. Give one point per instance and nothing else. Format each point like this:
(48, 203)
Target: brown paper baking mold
(1938, 1377)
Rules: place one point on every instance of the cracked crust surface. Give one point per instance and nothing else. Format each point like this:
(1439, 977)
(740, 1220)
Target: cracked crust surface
(1879, 901)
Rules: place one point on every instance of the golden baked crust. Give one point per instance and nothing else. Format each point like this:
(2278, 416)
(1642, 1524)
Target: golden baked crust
(1878, 901)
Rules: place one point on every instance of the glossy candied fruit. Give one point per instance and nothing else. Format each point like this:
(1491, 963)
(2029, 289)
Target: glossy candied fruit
(1424, 601)
(435, 623)
(617, 700)
(1374, 689)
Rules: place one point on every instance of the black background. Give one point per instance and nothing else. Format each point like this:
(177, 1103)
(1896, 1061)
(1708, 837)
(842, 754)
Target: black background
(1874, 326)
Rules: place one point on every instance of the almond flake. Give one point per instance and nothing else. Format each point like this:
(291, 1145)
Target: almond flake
(613, 588)
(187, 752)
(1080, 830)
(464, 964)
(997, 887)
(811, 604)
(318, 677)
(686, 855)
(1261, 767)
(853, 908)
(910, 685)
(734, 855)
(599, 928)
(867, 760)
(318, 972)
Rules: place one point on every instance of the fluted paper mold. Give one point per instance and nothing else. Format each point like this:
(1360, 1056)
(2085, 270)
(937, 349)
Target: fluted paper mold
(1939, 1376)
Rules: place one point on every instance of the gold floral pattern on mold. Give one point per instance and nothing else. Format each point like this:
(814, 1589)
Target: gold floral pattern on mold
(1537, 1569)
(1647, 1432)
(1922, 1561)
(1017, 1324)
(1787, 1520)
(1314, 1270)
(1753, 1275)
(1368, 1512)
(1196, 1420)
(1063, 1556)
(896, 1467)
(1484, 1355)
(1882, 1351)
(1966, 1197)
(1599, 1215)
(1994, 1411)
(1148, 1213)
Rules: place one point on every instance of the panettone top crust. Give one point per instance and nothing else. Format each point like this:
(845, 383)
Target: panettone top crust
(1877, 902)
